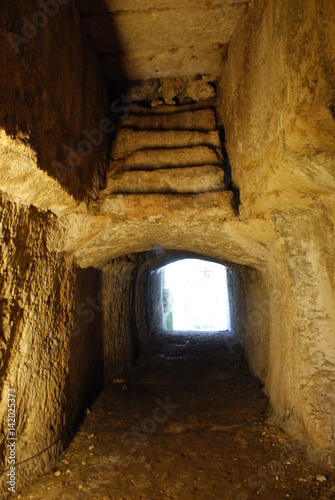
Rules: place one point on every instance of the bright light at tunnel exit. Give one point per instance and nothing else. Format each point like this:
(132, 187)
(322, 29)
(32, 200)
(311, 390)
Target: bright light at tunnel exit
(195, 296)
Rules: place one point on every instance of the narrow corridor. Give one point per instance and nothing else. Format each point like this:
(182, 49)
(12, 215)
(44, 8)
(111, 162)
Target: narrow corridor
(188, 421)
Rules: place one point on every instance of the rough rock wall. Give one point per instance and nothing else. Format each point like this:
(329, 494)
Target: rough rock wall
(86, 356)
(302, 315)
(235, 303)
(249, 312)
(52, 93)
(42, 356)
(141, 305)
(120, 333)
(277, 106)
(138, 40)
(51, 98)
(154, 302)
(64, 332)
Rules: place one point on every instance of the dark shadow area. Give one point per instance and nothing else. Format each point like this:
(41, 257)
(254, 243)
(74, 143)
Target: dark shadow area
(135, 334)
(86, 363)
(229, 182)
(41, 103)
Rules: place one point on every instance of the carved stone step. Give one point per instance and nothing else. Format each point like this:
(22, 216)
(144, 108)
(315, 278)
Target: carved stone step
(160, 207)
(168, 109)
(128, 141)
(174, 180)
(151, 159)
(190, 120)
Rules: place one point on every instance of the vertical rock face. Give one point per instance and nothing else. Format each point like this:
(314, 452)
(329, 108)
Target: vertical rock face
(121, 340)
(37, 293)
(86, 355)
(126, 311)
(250, 315)
(63, 331)
(137, 40)
(276, 95)
(49, 354)
(52, 92)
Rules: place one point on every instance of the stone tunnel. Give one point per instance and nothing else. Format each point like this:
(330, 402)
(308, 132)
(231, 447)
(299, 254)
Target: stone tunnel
(134, 134)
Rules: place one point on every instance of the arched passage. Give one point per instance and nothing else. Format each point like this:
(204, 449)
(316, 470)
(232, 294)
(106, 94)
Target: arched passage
(184, 414)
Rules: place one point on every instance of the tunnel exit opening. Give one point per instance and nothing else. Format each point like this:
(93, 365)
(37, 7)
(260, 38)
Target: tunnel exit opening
(194, 296)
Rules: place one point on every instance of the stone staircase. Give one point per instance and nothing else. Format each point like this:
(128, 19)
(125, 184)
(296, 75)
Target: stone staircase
(166, 150)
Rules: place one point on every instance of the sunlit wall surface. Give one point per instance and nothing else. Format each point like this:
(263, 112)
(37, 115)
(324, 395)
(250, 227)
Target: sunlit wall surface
(195, 296)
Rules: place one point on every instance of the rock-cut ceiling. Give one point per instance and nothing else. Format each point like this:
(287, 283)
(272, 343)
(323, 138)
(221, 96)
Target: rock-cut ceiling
(143, 39)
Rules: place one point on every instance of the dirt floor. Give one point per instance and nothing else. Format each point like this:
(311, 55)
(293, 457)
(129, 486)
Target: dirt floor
(188, 421)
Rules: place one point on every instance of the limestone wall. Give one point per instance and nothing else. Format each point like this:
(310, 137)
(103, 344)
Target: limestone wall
(86, 356)
(141, 305)
(51, 92)
(45, 357)
(154, 302)
(277, 106)
(120, 333)
(249, 316)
